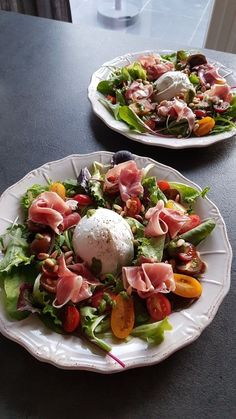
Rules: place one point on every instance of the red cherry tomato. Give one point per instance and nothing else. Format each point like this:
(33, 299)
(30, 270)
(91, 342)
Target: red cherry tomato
(98, 296)
(194, 221)
(71, 319)
(133, 207)
(83, 199)
(188, 254)
(200, 113)
(111, 98)
(158, 306)
(221, 107)
(163, 185)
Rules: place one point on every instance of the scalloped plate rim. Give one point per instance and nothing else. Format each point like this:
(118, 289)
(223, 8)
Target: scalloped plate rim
(108, 369)
(148, 139)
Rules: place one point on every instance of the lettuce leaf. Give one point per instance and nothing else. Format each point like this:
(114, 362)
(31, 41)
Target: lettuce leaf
(152, 247)
(136, 71)
(154, 192)
(95, 184)
(12, 282)
(16, 249)
(114, 109)
(187, 193)
(31, 194)
(152, 332)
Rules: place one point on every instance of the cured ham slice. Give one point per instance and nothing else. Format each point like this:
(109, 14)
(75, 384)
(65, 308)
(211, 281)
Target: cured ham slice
(70, 286)
(126, 178)
(174, 220)
(178, 109)
(70, 220)
(208, 74)
(156, 227)
(80, 269)
(138, 91)
(130, 182)
(163, 220)
(154, 66)
(48, 208)
(148, 278)
(222, 92)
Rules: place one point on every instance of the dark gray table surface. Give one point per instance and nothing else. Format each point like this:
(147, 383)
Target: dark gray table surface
(45, 68)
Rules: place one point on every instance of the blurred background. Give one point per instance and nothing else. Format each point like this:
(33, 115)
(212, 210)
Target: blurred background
(195, 23)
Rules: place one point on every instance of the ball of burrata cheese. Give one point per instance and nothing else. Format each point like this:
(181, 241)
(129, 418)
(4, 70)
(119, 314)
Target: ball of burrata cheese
(106, 237)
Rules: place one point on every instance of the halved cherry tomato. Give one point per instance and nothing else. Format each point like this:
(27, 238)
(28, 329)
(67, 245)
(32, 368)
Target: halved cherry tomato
(187, 286)
(193, 222)
(188, 254)
(122, 316)
(163, 185)
(221, 107)
(204, 126)
(158, 306)
(200, 113)
(194, 267)
(98, 296)
(111, 98)
(71, 319)
(133, 206)
(59, 189)
(83, 199)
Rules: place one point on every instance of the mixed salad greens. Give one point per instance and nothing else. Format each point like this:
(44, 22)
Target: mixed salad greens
(41, 270)
(178, 95)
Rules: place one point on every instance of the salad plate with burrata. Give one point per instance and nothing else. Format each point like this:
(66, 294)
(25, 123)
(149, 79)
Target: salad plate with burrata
(116, 264)
(174, 99)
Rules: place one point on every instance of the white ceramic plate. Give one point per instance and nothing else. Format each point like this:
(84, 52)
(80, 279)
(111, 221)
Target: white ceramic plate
(71, 352)
(156, 140)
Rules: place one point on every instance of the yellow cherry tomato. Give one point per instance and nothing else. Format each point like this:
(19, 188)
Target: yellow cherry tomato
(175, 206)
(204, 126)
(122, 316)
(187, 286)
(59, 189)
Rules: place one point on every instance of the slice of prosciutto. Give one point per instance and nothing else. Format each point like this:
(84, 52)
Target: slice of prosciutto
(48, 208)
(149, 278)
(138, 91)
(162, 220)
(155, 66)
(70, 286)
(124, 178)
(208, 74)
(178, 109)
(220, 91)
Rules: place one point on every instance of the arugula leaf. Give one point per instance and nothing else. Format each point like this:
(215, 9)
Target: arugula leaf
(152, 247)
(127, 115)
(89, 322)
(152, 332)
(231, 112)
(154, 192)
(106, 87)
(31, 194)
(16, 249)
(120, 97)
(114, 109)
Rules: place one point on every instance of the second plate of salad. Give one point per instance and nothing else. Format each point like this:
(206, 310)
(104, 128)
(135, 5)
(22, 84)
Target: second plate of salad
(109, 262)
(173, 99)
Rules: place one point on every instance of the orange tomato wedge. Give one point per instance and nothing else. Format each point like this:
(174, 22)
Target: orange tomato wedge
(122, 316)
(187, 286)
(59, 189)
